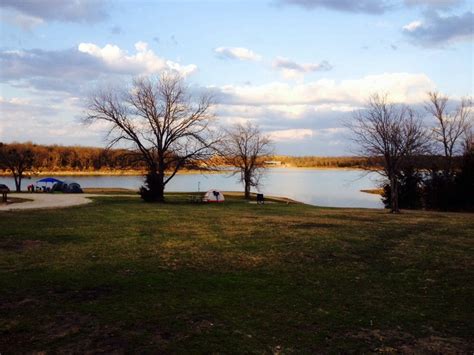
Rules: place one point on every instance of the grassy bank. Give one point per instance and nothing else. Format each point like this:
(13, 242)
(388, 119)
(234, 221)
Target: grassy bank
(122, 275)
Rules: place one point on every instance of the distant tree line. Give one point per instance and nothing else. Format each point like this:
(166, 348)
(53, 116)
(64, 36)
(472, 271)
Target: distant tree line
(20, 159)
(57, 158)
(324, 162)
(54, 158)
(358, 162)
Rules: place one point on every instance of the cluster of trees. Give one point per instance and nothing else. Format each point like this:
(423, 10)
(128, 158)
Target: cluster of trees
(398, 137)
(170, 129)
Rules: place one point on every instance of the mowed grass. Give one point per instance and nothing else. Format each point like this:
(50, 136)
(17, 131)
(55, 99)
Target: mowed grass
(120, 275)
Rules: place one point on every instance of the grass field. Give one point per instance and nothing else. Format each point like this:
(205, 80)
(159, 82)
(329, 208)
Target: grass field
(119, 275)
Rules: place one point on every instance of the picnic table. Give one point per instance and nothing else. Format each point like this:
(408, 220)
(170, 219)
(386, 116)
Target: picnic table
(4, 190)
(195, 198)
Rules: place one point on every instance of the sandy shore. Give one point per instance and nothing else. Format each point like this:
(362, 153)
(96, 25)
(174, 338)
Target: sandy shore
(43, 200)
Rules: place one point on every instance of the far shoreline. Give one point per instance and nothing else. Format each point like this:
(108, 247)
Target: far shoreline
(182, 172)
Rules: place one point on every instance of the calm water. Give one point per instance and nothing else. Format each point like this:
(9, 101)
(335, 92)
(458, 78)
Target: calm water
(335, 188)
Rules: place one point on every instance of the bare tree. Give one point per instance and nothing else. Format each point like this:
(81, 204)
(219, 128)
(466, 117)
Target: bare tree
(391, 132)
(18, 158)
(452, 127)
(246, 148)
(468, 143)
(162, 122)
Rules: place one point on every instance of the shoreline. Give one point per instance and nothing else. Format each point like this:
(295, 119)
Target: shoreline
(107, 173)
(142, 173)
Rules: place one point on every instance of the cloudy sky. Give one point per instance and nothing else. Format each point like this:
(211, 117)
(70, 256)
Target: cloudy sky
(296, 67)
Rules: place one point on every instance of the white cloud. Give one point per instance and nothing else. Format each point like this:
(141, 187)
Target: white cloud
(291, 134)
(330, 131)
(402, 87)
(184, 70)
(239, 53)
(412, 26)
(293, 70)
(15, 101)
(144, 61)
(310, 115)
(45, 121)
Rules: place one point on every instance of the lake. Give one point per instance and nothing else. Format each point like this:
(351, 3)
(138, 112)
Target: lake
(321, 187)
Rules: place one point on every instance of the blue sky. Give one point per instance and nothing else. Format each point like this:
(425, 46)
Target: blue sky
(298, 68)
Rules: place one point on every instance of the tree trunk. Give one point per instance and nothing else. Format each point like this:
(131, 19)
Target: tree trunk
(17, 182)
(247, 190)
(247, 187)
(394, 195)
(160, 197)
(154, 189)
(160, 193)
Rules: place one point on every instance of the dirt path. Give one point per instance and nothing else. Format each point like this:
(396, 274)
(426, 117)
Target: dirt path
(45, 200)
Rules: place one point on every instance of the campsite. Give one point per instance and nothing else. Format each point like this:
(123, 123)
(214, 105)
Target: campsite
(236, 177)
(50, 184)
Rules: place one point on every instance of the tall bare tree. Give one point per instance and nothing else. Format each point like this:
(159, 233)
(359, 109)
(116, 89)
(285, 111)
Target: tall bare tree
(18, 158)
(162, 122)
(451, 127)
(391, 132)
(245, 148)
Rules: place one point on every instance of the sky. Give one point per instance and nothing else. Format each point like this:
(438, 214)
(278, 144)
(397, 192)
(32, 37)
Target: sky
(297, 68)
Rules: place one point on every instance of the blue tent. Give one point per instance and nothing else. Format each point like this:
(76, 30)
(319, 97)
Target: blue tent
(49, 179)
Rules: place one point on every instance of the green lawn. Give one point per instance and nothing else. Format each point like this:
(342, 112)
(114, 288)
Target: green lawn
(119, 275)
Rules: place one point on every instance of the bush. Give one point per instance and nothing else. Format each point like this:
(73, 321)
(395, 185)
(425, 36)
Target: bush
(453, 192)
(465, 183)
(409, 190)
